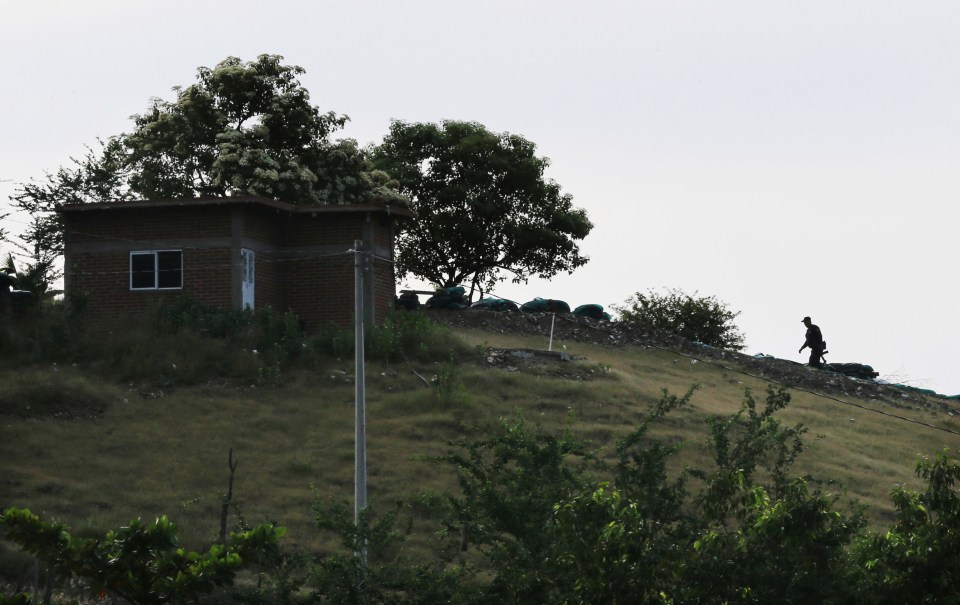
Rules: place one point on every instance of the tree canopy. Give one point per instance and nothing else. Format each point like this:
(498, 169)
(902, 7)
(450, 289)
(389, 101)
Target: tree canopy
(485, 207)
(245, 127)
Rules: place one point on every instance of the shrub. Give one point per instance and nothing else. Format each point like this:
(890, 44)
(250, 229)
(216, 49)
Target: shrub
(918, 559)
(401, 336)
(703, 319)
(141, 563)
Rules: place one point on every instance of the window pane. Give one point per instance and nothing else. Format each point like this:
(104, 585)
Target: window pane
(169, 269)
(142, 271)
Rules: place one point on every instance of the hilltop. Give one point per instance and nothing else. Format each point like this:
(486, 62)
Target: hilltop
(573, 328)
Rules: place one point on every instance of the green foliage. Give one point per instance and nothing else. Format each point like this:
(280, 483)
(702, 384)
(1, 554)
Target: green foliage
(141, 563)
(401, 336)
(486, 207)
(509, 482)
(539, 517)
(381, 574)
(701, 319)
(21, 598)
(918, 559)
(743, 444)
(245, 127)
(549, 529)
(449, 390)
(276, 338)
(185, 342)
(410, 336)
(781, 550)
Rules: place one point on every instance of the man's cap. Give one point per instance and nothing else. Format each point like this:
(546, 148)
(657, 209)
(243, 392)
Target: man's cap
(805, 319)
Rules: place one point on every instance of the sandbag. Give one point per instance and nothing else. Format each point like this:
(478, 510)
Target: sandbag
(545, 305)
(592, 311)
(495, 304)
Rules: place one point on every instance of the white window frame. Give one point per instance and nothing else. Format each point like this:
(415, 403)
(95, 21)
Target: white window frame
(156, 271)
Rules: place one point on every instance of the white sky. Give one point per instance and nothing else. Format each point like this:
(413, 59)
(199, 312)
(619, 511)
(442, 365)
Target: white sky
(791, 158)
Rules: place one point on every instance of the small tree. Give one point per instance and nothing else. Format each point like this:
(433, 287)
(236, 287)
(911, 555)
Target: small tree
(703, 319)
(140, 563)
(918, 559)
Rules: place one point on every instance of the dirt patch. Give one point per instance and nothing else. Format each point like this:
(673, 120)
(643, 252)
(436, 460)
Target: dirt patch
(545, 363)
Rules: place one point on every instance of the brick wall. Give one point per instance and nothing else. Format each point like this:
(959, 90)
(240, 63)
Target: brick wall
(102, 281)
(138, 226)
(302, 263)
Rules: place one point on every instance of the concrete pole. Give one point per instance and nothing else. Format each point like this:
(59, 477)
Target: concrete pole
(360, 424)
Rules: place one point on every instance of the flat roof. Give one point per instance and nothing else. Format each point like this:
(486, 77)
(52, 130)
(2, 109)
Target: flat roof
(234, 200)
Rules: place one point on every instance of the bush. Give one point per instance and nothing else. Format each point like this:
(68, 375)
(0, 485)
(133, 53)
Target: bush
(141, 563)
(701, 319)
(401, 336)
(410, 336)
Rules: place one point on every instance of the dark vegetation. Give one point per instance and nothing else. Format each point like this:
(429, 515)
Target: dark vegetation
(190, 343)
(703, 319)
(536, 515)
(487, 209)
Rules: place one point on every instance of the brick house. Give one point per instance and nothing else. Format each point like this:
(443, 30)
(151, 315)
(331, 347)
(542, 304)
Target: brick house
(235, 252)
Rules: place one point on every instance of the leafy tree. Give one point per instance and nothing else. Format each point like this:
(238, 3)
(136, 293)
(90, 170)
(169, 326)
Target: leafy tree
(620, 542)
(245, 127)
(386, 575)
(918, 559)
(140, 563)
(761, 534)
(510, 478)
(485, 207)
(548, 531)
(697, 318)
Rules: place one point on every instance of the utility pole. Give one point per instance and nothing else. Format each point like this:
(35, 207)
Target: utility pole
(360, 404)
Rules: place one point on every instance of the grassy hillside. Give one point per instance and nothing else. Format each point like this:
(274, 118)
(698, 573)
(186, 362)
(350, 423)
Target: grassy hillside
(94, 444)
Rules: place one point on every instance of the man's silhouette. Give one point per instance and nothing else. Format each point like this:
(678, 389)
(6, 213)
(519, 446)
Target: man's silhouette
(814, 340)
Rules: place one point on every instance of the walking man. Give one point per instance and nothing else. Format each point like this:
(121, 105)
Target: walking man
(814, 340)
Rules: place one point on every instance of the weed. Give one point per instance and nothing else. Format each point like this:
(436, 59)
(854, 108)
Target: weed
(450, 390)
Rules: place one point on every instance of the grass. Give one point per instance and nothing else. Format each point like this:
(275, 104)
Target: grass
(97, 449)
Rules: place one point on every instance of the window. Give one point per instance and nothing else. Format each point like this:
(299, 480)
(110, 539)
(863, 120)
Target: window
(156, 270)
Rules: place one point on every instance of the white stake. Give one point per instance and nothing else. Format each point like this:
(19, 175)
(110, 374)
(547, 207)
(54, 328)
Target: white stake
(553, 318)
